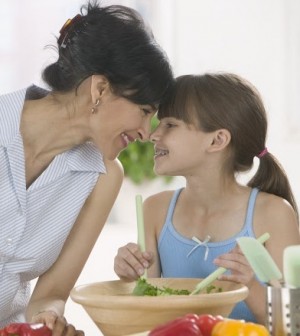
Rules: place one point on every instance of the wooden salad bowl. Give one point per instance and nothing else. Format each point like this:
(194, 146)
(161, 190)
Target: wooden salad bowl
(115, 311)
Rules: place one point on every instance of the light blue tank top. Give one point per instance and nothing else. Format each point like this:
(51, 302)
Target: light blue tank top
(182, 257)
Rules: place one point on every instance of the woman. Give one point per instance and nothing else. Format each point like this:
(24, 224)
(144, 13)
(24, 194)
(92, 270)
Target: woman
(58, 149)
(211, 128)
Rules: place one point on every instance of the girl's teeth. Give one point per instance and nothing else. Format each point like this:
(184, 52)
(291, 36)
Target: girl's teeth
(161, 152)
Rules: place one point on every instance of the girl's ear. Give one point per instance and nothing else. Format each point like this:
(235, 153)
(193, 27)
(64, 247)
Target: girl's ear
(220, 140)
(99, 87)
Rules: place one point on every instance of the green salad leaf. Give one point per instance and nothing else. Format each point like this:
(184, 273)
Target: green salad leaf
(143, 288)
(213, 289)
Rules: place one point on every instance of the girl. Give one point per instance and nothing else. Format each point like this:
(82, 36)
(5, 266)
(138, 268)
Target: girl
(211, 128)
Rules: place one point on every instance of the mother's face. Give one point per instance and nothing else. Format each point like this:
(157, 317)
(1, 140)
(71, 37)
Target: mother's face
(118, 122)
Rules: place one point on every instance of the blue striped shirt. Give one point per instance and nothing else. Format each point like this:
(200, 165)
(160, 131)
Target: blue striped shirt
(35, 222)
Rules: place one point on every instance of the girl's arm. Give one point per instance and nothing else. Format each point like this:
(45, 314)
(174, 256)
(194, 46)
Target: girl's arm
(276, 216)
(130, 262)
(53, 287)
(152, 223)
(273, 215)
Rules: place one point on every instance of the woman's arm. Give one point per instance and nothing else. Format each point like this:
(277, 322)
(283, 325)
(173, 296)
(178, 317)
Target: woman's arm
(53, 287)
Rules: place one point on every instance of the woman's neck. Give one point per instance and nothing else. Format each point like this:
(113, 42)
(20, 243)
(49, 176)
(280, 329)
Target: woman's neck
(50, 126)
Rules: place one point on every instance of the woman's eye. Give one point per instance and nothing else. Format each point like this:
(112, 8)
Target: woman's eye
(146, 111)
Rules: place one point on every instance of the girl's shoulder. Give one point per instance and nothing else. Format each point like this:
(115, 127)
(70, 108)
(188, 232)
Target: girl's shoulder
(156, 207)
(272, 211)
(271, 204)
(161, 199)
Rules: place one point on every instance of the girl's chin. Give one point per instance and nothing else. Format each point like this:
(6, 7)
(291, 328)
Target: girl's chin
(159, 172)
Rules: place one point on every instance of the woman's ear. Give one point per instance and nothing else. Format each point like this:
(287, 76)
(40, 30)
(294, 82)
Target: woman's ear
(221, 139)
(99, 86)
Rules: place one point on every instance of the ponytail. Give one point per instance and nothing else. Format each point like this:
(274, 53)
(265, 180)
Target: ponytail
(271, 178)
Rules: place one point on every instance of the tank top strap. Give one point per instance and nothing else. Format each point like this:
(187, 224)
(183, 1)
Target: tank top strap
(173, 204)
(170, 212)
(250, 210)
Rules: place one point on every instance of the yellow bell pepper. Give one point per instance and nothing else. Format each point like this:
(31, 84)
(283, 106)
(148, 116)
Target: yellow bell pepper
(239, 328)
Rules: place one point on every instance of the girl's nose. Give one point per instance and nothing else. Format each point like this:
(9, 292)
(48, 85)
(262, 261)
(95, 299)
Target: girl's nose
(153, 135)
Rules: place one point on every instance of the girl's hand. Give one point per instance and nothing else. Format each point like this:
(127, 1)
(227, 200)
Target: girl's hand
(57, 324)
(240, 269)
(130, 262)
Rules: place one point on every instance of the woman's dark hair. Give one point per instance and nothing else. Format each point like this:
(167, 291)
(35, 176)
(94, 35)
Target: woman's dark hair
(115, 42)
(224, 100)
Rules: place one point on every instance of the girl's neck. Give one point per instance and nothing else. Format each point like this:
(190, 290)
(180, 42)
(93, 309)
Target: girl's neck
(211, 194)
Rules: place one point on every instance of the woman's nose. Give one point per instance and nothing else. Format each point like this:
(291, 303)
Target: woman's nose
(144, 131)
(147, 129)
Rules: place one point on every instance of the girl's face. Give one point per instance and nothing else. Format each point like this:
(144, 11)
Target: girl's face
(179, 147)
(118, 122)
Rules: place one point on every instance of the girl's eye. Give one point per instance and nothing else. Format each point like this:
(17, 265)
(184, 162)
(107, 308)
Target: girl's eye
(169, 125)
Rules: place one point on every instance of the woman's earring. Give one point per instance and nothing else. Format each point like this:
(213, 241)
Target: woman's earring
(94, 109)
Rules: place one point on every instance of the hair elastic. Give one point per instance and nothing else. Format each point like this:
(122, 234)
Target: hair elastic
(262, 153)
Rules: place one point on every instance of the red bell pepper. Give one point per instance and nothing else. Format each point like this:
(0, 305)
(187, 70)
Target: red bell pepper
(206, 323)
(181, 326)
(26, 329)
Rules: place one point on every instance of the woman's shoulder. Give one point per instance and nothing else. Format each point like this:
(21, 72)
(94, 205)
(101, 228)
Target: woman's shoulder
(113, 177)
(114, 171)
(114, 167)
(107, 187)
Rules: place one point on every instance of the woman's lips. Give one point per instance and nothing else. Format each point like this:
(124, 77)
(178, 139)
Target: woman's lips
(127, 139)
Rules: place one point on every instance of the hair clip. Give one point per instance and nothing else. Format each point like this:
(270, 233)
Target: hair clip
(65, 30)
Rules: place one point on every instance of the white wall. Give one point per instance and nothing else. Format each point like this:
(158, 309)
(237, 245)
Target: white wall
(257, 39)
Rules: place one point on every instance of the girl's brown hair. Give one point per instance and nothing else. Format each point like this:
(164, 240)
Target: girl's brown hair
(224, 100)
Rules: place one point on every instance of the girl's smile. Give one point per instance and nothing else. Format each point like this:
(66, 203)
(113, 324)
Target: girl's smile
(159, 152)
